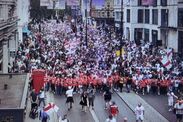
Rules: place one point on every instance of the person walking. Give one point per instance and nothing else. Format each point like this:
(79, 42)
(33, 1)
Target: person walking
(44, 117)
(128, 84)
(171, 97)
(179, 110)
(107, 98)
(70, 100)
(83, 101)
(91, 97)
(42, 97)
(139, 112)
(121, 82)
(113, 110)
(34, 99)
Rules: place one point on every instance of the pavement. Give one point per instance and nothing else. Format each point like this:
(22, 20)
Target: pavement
(151, 114)
(53, 116)
(160, 103)
(75, 114)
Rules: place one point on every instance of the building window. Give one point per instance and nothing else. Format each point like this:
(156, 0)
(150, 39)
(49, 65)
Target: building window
(140, 16)
(154, 37)
(128, 15)
(155, 2)
(117, 16)
(1, 12)
(147, 16)
(118, 2)
(103, 14)
(146, 35)
(139, 2)
(163, 2)
(180, 17)
(164, 17)
(155, 16)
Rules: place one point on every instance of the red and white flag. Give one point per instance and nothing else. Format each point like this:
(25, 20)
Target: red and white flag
(166, 62)
(169, 53)
(50, 108)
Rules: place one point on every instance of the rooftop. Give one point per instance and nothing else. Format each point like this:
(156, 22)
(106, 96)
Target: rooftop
(13, 95)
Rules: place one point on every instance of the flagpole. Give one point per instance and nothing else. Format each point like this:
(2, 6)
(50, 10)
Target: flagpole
(121, 40)
(86, 25)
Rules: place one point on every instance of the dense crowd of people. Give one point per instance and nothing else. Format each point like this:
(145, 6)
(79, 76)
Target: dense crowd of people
(69, 59)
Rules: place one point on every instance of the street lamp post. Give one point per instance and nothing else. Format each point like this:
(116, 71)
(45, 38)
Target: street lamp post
(121, 39)
(86, 40)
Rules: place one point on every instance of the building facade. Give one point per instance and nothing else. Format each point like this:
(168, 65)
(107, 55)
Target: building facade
(8, 32)
(156, 21)
(104, 14)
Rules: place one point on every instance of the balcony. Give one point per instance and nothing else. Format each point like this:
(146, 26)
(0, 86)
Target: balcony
(7, 23)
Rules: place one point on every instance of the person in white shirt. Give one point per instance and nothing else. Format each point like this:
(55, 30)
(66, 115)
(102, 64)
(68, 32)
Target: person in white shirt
(42, 97)
(139, 112)
(171, 97)
(69, 94)
(179, 110)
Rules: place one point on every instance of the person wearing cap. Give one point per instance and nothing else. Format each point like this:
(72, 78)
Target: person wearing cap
(139, 112)
(69, 94)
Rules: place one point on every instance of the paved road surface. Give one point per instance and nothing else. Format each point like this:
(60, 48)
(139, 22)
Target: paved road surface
(77, 114)
(160, 103)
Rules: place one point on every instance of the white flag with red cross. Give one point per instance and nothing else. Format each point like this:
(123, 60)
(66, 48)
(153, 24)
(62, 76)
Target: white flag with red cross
(50, 108)
(166, 62)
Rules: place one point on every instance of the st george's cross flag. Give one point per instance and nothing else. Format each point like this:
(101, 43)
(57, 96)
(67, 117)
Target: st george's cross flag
(50, 108)
(166, 62)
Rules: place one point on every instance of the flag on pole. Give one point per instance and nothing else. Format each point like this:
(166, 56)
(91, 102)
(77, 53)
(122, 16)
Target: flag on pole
(122, 52)
(169, 53)
(166, 62)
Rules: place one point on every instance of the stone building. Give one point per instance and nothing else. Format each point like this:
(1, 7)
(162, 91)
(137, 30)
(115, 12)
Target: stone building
(104, 14)
(156, 21)
(8, 32)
